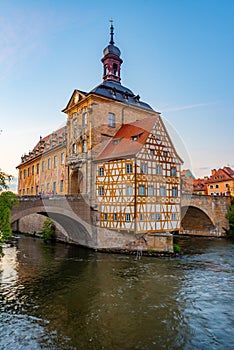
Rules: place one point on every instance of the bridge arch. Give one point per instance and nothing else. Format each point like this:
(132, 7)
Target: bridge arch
(196, 220)
(78, 231)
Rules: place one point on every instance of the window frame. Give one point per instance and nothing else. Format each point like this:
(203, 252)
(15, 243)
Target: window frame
(111, 120)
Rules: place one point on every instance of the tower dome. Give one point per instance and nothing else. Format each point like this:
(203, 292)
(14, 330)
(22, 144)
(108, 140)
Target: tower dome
(111, 59)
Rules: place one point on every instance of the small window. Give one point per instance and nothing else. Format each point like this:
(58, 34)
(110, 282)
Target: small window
(24, 173)
(101, 191)
(111, 120)
(150, 190)
(129, 168)
(84, 146)
(38, 168)
(49, 163)
(32, 190)
(165, 153)
(114, 217)
(151, 151)
(211, 186)
(55, 161)
(152, 216)
(144, 168)
(115, 68)
(216, 186)
(141, 190)
(74, 148)
(61, 187)
(136, 137)
(20, 176)
(100, 171)
(43, 166)
(116, 141)
(159, 170)
(62, 158)
(84, 119)
(227, 185)
(162, 191)
(28, 171)
(37, 190)
(174, 192)
(105, 217)
(173, 216)
(141, 217)
(173, 171)
(129, 190)
(157, 216)
(33, 170)
(128, 217)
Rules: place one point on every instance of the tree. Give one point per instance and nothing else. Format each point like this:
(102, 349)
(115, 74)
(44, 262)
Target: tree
(7, 200)
(48, 230)
(4, 178)
(230, 217)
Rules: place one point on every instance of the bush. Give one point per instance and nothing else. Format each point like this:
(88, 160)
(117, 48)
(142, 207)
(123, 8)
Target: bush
(177, 248)
(230, 216)
(48, 230)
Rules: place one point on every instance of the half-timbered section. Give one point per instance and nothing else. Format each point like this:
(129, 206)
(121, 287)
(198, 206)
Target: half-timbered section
(138, 179)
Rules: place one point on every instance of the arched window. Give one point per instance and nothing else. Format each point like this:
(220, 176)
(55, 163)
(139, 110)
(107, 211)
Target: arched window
(105, 69)
(84, 146)
(74, 148)
(115, 68)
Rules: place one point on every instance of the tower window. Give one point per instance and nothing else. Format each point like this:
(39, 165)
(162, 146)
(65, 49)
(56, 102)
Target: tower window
(111, 120)
(115, 68)
(105, 69)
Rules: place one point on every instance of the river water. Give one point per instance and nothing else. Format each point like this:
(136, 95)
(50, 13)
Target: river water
(67, 297)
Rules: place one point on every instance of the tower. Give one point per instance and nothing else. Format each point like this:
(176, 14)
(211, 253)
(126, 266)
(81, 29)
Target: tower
(111, 59)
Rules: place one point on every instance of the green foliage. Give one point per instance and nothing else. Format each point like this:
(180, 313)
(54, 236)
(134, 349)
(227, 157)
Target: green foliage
(48, 230)
(4, 178)
(7, 200)
(177, 248)
(230, 217)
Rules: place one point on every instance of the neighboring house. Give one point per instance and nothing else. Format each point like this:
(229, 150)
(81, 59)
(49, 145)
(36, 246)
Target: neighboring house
(221, 182)
(138, 179)
(200, 186)
(187, 179)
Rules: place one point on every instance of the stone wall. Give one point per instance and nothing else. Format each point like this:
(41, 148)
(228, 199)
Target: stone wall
(33, 224)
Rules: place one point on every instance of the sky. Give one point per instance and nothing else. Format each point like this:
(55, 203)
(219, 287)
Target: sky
(178, 56)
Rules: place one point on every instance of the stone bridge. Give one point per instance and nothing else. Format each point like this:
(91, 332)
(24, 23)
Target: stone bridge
(201, 215)
(204, 215)
(72, 213)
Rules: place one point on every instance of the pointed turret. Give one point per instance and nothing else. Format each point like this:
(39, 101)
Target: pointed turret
(111, 59)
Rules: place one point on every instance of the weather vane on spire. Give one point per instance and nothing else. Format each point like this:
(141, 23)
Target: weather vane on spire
(111, 32)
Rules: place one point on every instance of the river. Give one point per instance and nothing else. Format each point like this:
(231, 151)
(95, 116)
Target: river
(67, 297)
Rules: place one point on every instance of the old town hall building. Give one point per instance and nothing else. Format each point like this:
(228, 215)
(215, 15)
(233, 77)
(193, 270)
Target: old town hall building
(115, 152)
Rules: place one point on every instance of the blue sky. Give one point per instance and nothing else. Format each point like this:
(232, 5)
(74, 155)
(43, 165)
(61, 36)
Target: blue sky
(178, 56)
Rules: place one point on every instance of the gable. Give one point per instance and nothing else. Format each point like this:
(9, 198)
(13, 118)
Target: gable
(160, 142)
(76, 97)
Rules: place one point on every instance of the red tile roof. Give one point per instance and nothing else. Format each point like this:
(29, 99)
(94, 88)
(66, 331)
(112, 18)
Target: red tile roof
(128, 140)
(225, 174)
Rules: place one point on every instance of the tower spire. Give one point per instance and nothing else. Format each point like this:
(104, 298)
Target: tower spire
(111, 32)
(111, 59)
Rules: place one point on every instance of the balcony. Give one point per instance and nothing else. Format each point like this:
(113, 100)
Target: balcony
(76, 161)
